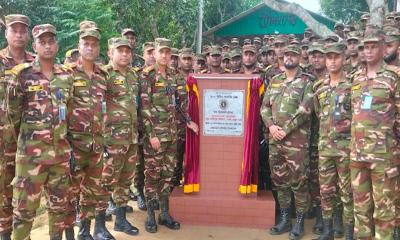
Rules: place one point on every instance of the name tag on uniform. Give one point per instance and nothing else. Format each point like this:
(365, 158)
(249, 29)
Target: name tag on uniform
(160, 84)
(275, 85)
(179, 87)
(80, 83)
(35, 88)
(356, 87)
(119, 82)
(367, 102)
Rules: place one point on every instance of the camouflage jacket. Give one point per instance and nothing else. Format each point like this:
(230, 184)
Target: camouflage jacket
(270, 72)
(37, 108)
(221, 71)
(184, 103)
(87, 109)
(332, 105)
(375, 127)
(281, 102)
(122, 105)
(137, 61)
(159, 104)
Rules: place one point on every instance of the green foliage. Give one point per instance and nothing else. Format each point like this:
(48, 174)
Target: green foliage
(347, 11)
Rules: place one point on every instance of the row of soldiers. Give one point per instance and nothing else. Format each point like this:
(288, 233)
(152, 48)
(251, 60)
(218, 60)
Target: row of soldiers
(73, 131)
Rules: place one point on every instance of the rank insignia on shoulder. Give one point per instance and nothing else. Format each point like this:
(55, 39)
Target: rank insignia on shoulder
(356, 87)
(119, 81)
(160, 84)
(275, 85)
(35, 88)
(79, 83)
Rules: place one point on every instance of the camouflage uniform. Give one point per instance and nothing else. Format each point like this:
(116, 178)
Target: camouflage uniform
(374, 152)
(333, 108)
(122, 137)
(37, 110)
(8, 144)
(288, 158)
(85, 131)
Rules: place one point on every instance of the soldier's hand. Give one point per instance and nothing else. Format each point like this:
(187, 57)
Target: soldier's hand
(193, 126)
(274, 129)
(155, 143)
(280, 135)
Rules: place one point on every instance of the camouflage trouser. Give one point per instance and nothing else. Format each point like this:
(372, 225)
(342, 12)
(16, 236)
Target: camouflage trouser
(138, 179)
(86, 182)
(334, 177)
(27, 189)
(289, 172)
(7, 173)
(180, 153)
(374, 195)
(398, 199)
(118, 173)
(313, 179)
(159, 170)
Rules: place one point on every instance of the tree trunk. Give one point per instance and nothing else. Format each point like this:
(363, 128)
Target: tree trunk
(378, 9)
(297, 10)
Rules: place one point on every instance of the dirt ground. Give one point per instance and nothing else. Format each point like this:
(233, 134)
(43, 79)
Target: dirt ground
(187, 232)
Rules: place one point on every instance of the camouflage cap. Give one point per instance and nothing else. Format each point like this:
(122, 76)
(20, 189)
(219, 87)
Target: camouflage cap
(338, 25)
(338, 48)
(392, 35)
(293, 49)
(308, 30)
(200, 57)
(265, 37)
(215, 50)
(365, 16)
(161, 43)
(148, 46)
(305, 42)
(316, 47)
(17, 18)
(41, 29)
(354, 35)
(256, 39)
(246, 41)
(90, 32)
(121, 42)
(110, 42)
(234, 40)
(186, 52)
(206, 49)
(235, 53)
(375, 35)
(249, 48)
(294, 41)
(314, 37)
(266, 49)
(360, 46)
(88, 25)
(175, 52)
(128, 30)
(225, 44)
(334, 38)
(281, 39)
(226, 56)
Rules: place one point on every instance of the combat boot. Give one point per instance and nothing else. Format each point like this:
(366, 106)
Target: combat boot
(327, 233)
(5, 235)
(121, 223)
(84, 230)
(298, 229)
(284, 225)
(140, 201)
(100, 230)
(318, 226)
(338, 222)
(69, 233)
(151, 225)
(164, 218)
(396, 234)
(349, 232)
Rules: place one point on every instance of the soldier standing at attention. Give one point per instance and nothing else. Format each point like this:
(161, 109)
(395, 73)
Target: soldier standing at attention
(375, 132)
(158, 98)
(17, 36)
(85, 131)
(121, 132)
(37, 108)
(130, 34)
(289, 140)
(214, 61)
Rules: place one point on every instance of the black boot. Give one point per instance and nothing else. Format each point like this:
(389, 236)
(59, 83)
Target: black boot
(318, 226)
(5, 235)
(69, 233)
(100, 230)
(349, 232)
(327, 233)
(122, 225)
(151, 225)
(110, 210)
(338, 222)
(298, 229)
(140, 201)
(84, 230)
(164, 218)
(284, 224)
(57, 236)
(396, 234)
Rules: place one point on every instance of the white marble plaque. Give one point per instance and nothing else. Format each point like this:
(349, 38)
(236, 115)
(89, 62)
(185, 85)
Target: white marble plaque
(223, 112)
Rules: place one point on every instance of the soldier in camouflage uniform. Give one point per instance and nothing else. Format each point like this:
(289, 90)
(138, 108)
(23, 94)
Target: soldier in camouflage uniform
(186, 68)
(236, 60)
(333, 108)
(71, 56)
(199, 63)
(121, 132)
(86, 128)
(17, 35)
(158, 98)
(375, 131)
(277, 68)
(214, 60)
(130, 34)
(289, 140)
(353, 63)
(174, 62)
(37, 105)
